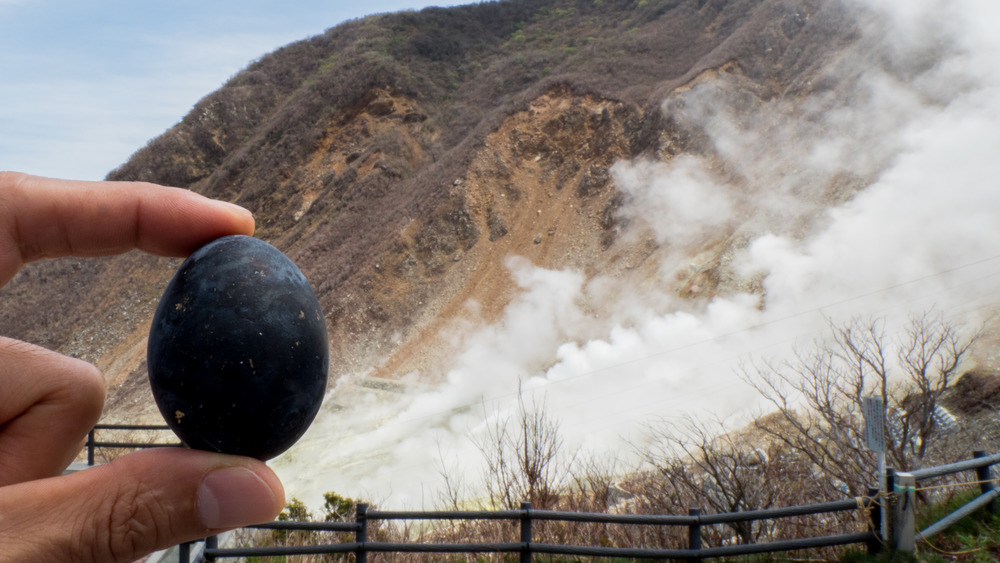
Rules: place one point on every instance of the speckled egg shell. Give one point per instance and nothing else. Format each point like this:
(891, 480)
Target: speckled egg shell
(238, 351)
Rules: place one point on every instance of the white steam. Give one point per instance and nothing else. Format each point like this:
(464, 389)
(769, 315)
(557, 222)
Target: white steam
(876, 197)
(679, 200)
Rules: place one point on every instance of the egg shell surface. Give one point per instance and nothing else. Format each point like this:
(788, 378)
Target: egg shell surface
(238, 352)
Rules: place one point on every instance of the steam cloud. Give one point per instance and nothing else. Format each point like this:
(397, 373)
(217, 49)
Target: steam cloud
(877, 197)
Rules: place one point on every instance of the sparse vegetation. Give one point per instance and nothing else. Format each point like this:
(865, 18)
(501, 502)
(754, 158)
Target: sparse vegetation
(707, 465)
(366, 196)
(718, 469)
(818, 399)
(291, 138)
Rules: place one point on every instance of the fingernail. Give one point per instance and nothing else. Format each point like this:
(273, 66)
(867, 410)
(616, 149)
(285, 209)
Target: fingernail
(237, 208)
(234, 497)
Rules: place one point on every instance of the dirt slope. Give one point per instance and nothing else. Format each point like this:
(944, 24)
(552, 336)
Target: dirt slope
(402, 159)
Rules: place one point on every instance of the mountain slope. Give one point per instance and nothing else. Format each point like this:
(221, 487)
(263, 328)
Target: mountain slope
(401, 159)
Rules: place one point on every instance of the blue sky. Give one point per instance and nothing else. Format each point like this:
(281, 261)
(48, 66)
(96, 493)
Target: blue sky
(83, 85)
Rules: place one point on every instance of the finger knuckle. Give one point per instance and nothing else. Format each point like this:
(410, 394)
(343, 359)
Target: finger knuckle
(134, 523)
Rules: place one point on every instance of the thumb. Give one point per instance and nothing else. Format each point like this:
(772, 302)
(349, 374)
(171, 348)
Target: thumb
(135, 505)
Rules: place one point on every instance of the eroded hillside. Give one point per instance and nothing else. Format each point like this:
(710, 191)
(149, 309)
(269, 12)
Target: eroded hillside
(402, 160)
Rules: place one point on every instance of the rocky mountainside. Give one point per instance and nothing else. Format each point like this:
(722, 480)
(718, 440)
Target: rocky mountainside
(402, 160)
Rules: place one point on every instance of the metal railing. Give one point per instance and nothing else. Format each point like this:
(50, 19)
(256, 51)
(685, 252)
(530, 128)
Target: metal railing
(526, 547)
(904, 488)
(902, 533)
(93, 443)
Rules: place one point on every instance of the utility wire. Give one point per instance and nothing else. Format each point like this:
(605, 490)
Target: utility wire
(819, 309)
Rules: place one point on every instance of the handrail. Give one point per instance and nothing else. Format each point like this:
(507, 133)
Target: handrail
(92, 442)
(957, 467)
(967, 509)
(600, 517)
(798, 510)
(905, 487)
(131, 427)
(308, 526)
(526, 547)
(903, 539)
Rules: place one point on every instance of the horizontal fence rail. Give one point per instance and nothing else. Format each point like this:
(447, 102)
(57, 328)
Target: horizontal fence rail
(904, 487)
(526, 547)
(958, 467)
(901, 532)
(93, 443)
(966, 510)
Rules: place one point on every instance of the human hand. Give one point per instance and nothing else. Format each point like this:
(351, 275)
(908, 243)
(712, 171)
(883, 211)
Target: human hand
(141, 502)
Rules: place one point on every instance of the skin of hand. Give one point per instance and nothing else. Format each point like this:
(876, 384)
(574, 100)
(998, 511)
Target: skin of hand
(141, 502)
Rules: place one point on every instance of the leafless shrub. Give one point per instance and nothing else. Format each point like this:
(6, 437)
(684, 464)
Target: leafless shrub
(810, 449)
(707, 466)
(336, 508)
(524, 460)
(819, 395)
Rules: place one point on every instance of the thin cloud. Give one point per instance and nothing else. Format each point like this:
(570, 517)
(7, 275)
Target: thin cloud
(84, 89)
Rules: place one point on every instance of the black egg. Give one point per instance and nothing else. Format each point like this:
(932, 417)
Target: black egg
(238, 351)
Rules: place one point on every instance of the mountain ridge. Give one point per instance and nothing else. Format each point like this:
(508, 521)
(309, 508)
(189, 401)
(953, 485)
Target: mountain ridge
(400, 159)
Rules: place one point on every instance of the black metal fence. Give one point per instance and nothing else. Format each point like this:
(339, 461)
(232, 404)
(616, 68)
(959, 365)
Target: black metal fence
(93, 443)
(526, 547)
(899, 514)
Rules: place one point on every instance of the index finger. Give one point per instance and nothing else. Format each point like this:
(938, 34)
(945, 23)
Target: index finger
(45, 217)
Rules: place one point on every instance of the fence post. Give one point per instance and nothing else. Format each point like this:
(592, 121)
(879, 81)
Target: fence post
(889, 509)
(211, 542)
(985, 478)
(694, 533)
(875, 519)
(361, 534)
(526, 532)
(91, 441)
(905, 493)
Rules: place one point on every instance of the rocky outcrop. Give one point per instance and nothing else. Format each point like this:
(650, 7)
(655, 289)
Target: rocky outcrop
(401, 159)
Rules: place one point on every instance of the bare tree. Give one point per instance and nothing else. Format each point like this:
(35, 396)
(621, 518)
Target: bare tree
(703, 465)
(524, 459)
(812, 447)
(819, 394)
(594, 484)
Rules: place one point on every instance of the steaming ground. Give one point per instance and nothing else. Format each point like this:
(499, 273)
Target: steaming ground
(914, 123)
